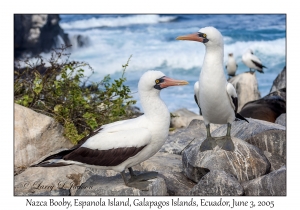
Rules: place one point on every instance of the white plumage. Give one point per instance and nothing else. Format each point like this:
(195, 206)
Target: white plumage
(217, 98)
(231, 65)
(126, 143)
(252, 61)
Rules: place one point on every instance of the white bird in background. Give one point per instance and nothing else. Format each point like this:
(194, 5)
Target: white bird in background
(217, 98)
(252, 61)
(231, 65)
(123, 144)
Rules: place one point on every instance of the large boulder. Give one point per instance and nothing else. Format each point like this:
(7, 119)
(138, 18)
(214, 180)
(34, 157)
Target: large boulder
(217, 183)
(246, 162)
(281, 120)
(48, 181)
(271, 184)
(169, 167)
(114, 186)
(280, 81)
(272, 141)
(246, 88)
(244, 130)
(36, 135)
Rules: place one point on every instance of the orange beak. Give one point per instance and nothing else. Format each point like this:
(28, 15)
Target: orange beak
(191, 37)
(172, 82)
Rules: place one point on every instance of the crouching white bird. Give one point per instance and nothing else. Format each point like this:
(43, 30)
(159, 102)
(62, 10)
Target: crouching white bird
(217, 98)
(231, 65)
(252, 61)
(123, 144)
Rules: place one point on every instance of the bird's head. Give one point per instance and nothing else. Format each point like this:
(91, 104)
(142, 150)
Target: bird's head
(209, 36)
(156, 80)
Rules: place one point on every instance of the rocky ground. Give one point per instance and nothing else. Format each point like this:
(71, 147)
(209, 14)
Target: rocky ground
(257, 166)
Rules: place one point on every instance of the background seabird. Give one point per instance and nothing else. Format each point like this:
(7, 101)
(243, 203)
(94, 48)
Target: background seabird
(231, 65)
(123, 144)
(217, 98)
(252, 61)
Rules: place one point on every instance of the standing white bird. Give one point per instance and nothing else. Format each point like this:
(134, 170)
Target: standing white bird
(231, 65)
(252, 61)
(123, 144)
(217, 98)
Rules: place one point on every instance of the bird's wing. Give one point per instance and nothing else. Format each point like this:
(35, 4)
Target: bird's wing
(103, 149)
(139, 122)
(124, 138)
(232, 96)
(197, 96)
(111, 149)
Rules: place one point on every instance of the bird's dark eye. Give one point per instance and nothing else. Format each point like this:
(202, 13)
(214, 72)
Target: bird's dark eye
(157, 81)
(202, 35)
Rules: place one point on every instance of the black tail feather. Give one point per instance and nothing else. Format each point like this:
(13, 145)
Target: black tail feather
(237, 115)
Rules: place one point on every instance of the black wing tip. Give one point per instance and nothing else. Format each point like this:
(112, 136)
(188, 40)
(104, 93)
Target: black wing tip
(241, 117)
(47, 164)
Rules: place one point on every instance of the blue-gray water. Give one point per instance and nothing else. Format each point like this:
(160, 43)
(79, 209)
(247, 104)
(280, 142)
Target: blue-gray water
(150, 39)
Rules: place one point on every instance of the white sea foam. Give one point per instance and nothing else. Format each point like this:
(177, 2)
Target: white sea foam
(116, 21)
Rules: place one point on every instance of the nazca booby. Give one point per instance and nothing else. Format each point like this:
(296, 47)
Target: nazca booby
(217, 98)
(252, 61)
(231, 65)
(123, 144)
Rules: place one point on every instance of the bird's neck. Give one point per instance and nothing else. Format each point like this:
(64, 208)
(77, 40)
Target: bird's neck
(154, 108)
(213, 62)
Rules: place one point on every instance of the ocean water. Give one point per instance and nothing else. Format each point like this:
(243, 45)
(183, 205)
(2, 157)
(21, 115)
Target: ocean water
(150, 39)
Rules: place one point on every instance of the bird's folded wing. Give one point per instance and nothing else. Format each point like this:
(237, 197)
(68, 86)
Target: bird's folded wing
(232, 96)
(124, 138)
(111, 149)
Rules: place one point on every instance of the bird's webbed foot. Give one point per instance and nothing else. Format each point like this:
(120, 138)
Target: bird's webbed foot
(139, 181)
(208, 144)
(225, 143)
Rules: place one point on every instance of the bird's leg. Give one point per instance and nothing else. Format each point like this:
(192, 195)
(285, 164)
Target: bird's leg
(138, 184)
(131, 172)
(209, 143)
(225, 142)
(139, 181)
(143, 177)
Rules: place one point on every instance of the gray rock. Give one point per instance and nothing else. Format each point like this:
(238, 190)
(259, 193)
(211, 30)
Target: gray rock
(275, 160)
(36, 135)
(181, 118)
(243, 130)
(272, 184)
(48, 181)
(280, 81)
(169, 167)
(178, 141)
(281, 120)
(246, 88)
(114, 186)
(273, 141)
(59, 192)
(218, 183)
(246, 162)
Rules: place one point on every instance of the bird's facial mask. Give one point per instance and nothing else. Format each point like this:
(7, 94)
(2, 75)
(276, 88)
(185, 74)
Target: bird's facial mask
(198, 37)
(164, 82)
